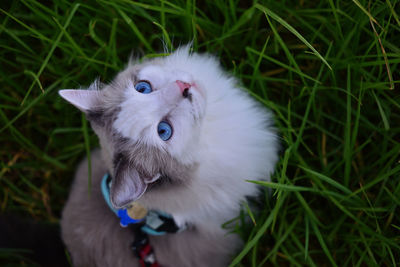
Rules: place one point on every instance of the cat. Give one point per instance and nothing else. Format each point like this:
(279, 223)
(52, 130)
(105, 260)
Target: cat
(178, 135)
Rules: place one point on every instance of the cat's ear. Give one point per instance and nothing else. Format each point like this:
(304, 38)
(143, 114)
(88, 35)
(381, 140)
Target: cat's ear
(127, 184)
(84, 100)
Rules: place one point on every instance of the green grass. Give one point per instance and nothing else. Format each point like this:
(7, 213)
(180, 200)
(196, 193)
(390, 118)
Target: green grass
(329, 70)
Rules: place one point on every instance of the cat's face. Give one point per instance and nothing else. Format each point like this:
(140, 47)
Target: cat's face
(162, 107)
(149, 121)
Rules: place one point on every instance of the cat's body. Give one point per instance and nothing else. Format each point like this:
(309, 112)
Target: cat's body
(178, 136)
(94, 237)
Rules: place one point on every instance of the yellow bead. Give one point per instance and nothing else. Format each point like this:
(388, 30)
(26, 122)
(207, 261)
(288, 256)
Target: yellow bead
(136, 211)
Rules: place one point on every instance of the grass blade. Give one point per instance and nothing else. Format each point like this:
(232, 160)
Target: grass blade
(292, 30)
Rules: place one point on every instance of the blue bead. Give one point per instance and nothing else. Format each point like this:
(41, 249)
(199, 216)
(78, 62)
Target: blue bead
(125, 220)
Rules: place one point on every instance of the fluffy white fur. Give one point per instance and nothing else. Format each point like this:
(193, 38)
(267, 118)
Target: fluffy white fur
(233, 143)
(224, 133)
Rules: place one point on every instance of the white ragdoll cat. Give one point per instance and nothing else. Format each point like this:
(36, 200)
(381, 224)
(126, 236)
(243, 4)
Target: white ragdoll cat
(177, 135)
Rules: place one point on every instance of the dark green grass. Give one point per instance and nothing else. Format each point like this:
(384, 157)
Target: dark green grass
(329, 70)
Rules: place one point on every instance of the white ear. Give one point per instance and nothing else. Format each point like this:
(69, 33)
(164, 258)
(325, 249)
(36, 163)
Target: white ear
(82, 99)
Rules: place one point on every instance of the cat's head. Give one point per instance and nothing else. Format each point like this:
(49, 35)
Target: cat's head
(148, 120)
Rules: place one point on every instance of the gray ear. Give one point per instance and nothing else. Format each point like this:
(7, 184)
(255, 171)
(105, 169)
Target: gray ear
(82, 99)
(127, 186)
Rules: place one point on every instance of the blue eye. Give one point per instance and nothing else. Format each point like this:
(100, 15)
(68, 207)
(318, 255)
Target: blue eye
(164, 130)
(143, 87)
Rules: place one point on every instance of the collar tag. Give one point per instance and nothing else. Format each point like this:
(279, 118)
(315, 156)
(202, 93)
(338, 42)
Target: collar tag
(153, 221)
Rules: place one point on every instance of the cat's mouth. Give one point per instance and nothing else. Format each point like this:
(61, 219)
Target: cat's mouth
(193, 94)
(187, 94)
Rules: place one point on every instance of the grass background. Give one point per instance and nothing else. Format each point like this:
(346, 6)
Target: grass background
(329, 70)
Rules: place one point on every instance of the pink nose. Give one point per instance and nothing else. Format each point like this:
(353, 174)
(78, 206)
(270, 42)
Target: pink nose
(183, 86)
